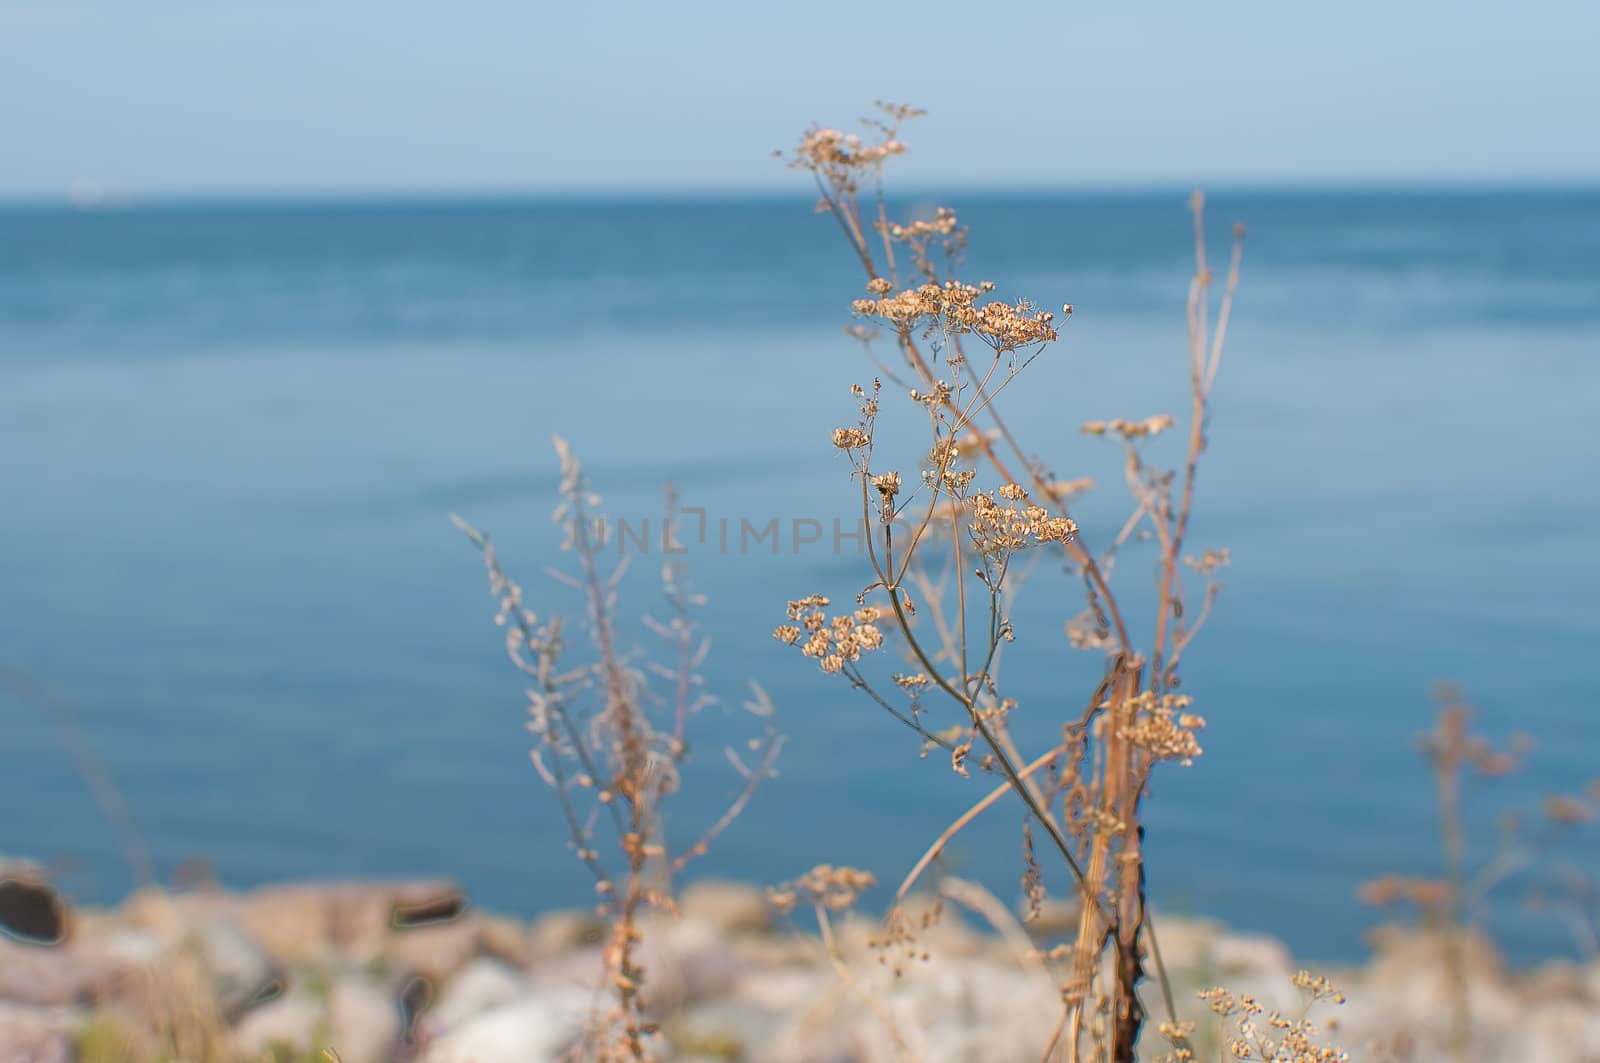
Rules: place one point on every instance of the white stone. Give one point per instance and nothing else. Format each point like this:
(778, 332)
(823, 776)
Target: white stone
(536, 1029)
(361, 1022)
(479, 986)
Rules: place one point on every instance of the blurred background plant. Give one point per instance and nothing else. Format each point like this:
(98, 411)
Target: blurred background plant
(600, 750)
(1453, 906)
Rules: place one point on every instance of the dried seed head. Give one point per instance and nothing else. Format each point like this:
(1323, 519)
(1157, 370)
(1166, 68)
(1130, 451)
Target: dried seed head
(1013, 522)
(832, 641)
(1130, 430)
(850, 438)
(952, 309)
(1161, 728)
(888, 484)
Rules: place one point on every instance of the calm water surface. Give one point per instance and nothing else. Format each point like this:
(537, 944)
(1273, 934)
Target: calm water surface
(230, 438)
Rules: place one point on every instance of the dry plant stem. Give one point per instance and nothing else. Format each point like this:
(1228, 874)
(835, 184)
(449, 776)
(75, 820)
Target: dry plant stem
(1182, 641)
(753, 780)
(1053, 1046)
(979, 900)
(1203, 370)
(612, 751)
(1128, 1009)
(91, 769)
(1108, 559)
(1074, 547)
(1027, 776)
(1092, 570)
(1130, 1013)
(1118, 741)
(684, 676)
(1449, 904)
(1007, 767)
(965, 699)
(628, 783)
(1204, 364)
(1582, 929)
(1096, 924)
(842, 969)
(963, 820)
(883, 230)
(858, 681)
(184, 1014)
(852, 230)
(961, 656)
(1453, 834)
(542, 676)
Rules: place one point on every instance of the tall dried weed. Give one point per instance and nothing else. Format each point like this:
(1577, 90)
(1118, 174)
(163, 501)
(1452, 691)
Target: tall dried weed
(952, 538)
(612, 748)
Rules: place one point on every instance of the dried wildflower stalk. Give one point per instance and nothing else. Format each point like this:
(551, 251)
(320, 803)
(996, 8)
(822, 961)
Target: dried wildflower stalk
(830, 891)
(950, 546)
(598, 748)
(1453, 904)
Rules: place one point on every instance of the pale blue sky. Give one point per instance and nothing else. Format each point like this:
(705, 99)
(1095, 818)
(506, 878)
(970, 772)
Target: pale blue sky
(305, 96)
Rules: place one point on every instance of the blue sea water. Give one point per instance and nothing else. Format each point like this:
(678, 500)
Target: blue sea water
(231, 436)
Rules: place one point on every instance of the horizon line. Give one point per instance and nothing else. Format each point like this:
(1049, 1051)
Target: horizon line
(111, 198)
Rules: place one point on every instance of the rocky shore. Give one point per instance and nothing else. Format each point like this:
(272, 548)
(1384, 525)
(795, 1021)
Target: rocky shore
(409, 971)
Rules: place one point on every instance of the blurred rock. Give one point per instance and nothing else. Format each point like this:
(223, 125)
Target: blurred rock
(1556, 980)
(30, 909)
(289, 1021)
(505, 938)
(732, 907)
(414, 996)
(365, 1022)
(301, 924)
(1409, 985)
(78, 971)
(563, 930)
(242, 974)
(1589, 975)
(290, 922)
(362, 961)
(1400, 952)
(684, 960)
(166, 913)
(361, 917)
(423, 903)
(1251, 953)
(352, 1014)
(1558, 1032)
(1185, 942)
(724, 1030)
(575, 967)
(435, 952)
(785, 990)
(32, 974)
(528, 1030)
(36, 1035)
(479, 986)
(156, 925)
